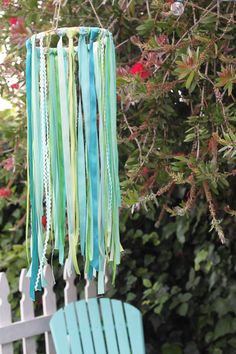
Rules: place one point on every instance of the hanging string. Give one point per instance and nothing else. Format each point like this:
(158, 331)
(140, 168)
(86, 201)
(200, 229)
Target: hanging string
(95, 13)
(56, 15)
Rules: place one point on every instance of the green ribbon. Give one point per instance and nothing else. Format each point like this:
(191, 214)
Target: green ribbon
(57, 160)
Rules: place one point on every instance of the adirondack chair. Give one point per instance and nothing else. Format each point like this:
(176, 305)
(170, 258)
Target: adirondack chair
(98, 326)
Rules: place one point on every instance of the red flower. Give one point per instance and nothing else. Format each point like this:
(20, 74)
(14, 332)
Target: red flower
(9, 163)
(5, 192)
(19, 33)
(140, 70)
(44, 220)
(15, 86)
(16, 21)
(13, 20)
(162, 39)
(144, 171)
(6, 3)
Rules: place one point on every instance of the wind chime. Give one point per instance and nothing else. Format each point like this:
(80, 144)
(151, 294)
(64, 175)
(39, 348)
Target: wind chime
(72, 151)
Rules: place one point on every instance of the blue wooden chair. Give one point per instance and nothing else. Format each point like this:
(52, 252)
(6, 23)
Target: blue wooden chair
(98, 326)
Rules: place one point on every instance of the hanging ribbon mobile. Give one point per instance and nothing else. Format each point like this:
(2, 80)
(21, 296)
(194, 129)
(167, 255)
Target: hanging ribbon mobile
(72, 151)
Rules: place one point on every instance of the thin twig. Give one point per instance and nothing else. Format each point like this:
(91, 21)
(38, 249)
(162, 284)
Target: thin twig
(151, 148)
(122, 43)
(148, 9)
(218, 15)
(136, 140)
(95, 13)
(194, 15)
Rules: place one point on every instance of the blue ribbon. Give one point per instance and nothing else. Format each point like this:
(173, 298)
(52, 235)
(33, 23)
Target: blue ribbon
(83, 58)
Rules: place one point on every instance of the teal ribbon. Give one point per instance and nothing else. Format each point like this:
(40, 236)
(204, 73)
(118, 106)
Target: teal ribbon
(34, 227)
(37, 238)
(99, 80)
(93, 151)
(83, 62)
(81, 181)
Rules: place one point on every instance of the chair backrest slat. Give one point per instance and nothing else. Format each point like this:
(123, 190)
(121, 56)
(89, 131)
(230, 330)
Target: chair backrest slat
(96, 325)
(84, 327)
(109, 326)
(121, 329)
(134, 324)
(59, 331)
(73, 329)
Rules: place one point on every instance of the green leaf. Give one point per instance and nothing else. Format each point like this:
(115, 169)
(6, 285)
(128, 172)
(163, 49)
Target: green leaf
(200, 257)
(147, 283)
(131, 297)
(183, 309)
(221, 306)
(232, 342)
(171, 349)
(145, 28)
(224, 326)
(189, 80)
(185, 297)
(217, 351)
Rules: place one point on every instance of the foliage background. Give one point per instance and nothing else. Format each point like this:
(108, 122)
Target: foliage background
(177, 146)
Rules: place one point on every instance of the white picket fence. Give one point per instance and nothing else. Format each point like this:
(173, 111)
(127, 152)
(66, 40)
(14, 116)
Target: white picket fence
(30, 326)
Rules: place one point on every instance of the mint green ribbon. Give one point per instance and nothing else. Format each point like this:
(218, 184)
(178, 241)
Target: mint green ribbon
(57, 160)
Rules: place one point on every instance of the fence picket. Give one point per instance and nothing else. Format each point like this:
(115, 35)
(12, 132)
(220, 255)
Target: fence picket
(70, 291)
(5, 311)
(26, 311)
(49, 305)
(90, 289)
